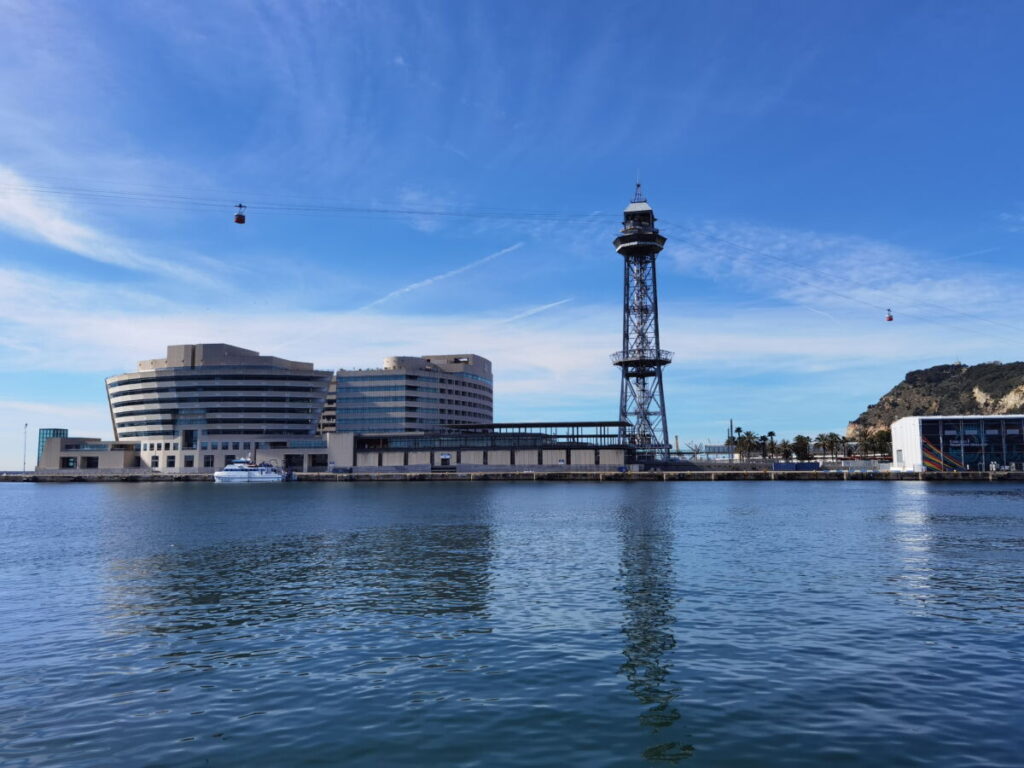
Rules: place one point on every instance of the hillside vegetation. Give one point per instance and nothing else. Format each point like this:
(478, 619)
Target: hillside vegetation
(947, 390)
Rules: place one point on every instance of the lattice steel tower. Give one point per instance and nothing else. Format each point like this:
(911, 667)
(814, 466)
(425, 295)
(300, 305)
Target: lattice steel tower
(642, 400)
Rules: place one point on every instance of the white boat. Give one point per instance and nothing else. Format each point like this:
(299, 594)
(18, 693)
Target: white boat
(247, 471)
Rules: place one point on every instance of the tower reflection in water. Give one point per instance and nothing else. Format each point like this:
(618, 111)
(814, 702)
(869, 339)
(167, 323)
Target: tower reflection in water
(646, 589)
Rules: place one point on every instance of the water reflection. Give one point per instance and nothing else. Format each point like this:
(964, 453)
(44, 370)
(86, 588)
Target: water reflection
(913, 539)
(419, 571)
(645, 586)
(946, 569)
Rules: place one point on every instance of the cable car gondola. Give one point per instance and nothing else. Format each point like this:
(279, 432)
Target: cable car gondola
(888, 315)
(240, 216)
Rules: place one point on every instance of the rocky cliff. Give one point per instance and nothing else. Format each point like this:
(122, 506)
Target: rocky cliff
(946, 390)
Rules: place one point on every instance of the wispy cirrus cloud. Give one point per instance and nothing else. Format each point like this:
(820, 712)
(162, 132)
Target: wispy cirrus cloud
(535, 311)
(24, 213)
(844, 274)
(443, 276)
(1013, 220)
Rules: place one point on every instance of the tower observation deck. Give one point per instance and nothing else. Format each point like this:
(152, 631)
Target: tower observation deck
(642, 398)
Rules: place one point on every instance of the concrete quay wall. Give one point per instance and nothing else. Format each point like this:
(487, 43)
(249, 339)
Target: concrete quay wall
(612, 477)
(548, 476)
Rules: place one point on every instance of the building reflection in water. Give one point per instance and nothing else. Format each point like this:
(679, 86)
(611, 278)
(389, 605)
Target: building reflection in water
(646, 588)
(331, 579)
(914, 540)
(940, 571)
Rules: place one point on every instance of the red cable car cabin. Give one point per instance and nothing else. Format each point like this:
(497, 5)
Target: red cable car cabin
(240, 216)
(888, 312)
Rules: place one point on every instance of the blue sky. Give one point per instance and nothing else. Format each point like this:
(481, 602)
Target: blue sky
(812, 163)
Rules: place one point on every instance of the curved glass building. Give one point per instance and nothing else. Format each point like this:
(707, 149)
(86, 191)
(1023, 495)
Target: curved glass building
(205, 404)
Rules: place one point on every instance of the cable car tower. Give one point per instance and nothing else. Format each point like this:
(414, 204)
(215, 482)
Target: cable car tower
(642, 399)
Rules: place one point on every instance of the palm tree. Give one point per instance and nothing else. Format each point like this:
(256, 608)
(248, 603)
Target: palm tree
(785, 449)
(821, 443)
(802, 447)
(749, 440)
(834, 442)
(771, 444)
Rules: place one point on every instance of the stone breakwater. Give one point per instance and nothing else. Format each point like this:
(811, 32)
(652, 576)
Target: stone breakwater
(592, 477)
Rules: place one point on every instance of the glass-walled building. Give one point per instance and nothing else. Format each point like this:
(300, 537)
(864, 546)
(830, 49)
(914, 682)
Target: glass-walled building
(958, 443)
(44, 435)
(411, 394)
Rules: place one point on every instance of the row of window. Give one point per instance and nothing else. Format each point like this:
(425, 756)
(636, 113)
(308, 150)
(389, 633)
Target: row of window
(169, 432)
(201, 412)
(157, 378)
(349, 412)
(225, 388)
(384, 388)
(188, 461)
(121, 424)
(344, 378)
(461, 382)
(473, 395)
(485, 404)
(468, 384)
(218, 398)
(380, 399)
(236, 445)
(383, 422)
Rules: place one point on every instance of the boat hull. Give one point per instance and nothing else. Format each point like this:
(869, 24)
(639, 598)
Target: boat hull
(233, 477)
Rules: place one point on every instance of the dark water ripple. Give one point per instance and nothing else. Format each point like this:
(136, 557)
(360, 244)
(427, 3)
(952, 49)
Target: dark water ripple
(512, 625)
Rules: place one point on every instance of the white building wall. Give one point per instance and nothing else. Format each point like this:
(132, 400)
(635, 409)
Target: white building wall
(906, 444)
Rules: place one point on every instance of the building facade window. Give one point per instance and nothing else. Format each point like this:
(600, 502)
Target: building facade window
(190, 461)
(208, 461)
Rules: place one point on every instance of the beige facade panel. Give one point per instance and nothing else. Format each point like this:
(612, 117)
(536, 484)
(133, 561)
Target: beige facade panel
(583, 457)
(554, 457)
(526, 457)
(613, 456)
(83, 453)
(499, 458)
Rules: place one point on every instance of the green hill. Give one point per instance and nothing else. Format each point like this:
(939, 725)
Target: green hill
(946, 390)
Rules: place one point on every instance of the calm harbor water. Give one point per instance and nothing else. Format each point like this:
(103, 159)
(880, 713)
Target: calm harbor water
(725, 624)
